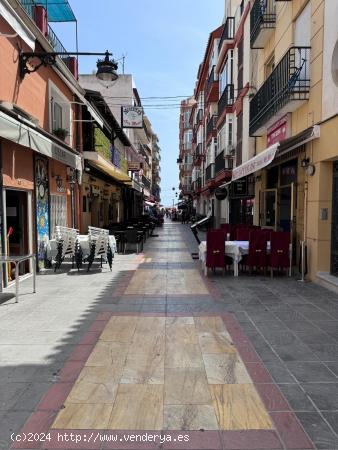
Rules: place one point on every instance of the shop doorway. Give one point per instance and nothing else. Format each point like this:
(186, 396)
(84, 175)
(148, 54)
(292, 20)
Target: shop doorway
(277, 208)
(17, 229)
(334, 234)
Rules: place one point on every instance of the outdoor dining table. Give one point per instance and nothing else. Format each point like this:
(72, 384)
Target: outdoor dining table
(17, 259)
(233, 249)
(123, 233)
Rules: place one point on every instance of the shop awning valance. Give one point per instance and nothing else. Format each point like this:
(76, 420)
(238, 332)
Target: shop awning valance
(298, 139)
(258, 162)
(275, 151)
(30, 137)
(100, 163)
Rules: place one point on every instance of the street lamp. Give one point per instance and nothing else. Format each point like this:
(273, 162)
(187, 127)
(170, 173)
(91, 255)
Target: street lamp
(106, 68)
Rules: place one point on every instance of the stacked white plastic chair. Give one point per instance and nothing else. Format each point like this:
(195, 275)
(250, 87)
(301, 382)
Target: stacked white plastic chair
(99, 246)
(66, 239)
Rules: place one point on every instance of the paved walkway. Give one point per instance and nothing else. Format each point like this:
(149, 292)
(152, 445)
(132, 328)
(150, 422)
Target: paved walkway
(155, 356)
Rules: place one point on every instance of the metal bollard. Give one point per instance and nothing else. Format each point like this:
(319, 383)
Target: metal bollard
(302, 244)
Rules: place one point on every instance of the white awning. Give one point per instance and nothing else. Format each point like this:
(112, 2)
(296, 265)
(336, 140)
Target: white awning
(258, 162)
(12, 18)
(24, 135)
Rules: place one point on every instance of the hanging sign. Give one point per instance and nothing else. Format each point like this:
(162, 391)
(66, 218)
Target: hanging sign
(132, 116)
(134, 166)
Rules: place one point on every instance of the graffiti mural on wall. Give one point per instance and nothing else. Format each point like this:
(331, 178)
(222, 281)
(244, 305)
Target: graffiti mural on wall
(42, 207)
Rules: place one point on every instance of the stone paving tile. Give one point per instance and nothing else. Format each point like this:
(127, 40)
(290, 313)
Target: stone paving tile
(292, 327)
(311, 372)
(319, 430)
(297, 398)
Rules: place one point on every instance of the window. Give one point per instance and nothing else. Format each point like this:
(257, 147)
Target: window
(57, 116)
(58, 211)
(230, 133)
(269, 66)
(59, 112)
(240, 66)
(225, 77)
(186, 117)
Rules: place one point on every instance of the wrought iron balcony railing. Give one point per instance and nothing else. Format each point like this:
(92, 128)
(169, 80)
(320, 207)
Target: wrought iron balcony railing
(262, 18)
(211, 125)
(199, 116)
(198, 151)
(210, 172)
(219, 163)
(227, 99)
(211, 81)
(146, 182)
(283, 91)
(228, 32)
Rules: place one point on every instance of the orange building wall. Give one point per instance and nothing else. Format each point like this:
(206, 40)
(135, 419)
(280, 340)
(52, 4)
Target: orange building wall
(18, 172)
(31, 93)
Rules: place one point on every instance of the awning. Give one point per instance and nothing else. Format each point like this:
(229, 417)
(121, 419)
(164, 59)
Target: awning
(258, 162)
(30, 137)
(107, 167)
(58, 10)
(11, 17)
(149, 203)
(276, 151)
(298, 140)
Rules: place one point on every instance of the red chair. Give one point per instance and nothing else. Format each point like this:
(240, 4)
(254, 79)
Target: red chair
(257, 256)
(227, 228)
(242, 234)
(280, 250)
(216, 250)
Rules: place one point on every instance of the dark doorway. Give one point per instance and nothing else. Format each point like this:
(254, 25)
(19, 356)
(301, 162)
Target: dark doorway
(17, 227)
(334, 233)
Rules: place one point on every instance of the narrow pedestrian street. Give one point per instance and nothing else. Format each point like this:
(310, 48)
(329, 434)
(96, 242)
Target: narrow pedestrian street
(156, 349)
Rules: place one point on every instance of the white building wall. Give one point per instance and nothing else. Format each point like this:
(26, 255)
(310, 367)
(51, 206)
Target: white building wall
(330, 60)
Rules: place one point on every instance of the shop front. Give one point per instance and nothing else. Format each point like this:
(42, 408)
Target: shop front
(242, 201)
(39, 182)
(103, 192)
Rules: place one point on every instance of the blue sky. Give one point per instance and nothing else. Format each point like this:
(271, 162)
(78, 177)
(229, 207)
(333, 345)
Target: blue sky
(164, 42)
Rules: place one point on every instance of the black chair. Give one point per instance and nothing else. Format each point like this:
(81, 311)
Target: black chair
(133, 237)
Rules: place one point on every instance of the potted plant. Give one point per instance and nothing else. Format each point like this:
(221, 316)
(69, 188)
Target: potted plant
(60, 133)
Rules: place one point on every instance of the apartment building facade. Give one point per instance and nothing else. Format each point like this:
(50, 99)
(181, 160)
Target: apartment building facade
(276, 125)
(124, 93)
(220, 120)
(185, 157)
(40, 132)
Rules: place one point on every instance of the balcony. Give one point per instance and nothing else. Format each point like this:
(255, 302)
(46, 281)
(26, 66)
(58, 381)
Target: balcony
(59, 12)
(211, 126)
(227, 99)
(186, 167)
(211, 91)
(284, 91)
(198, 155)
(199, 117)
(146, 182)
(262, 22)
(223, 162)
(228, 32)
(210, 172)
